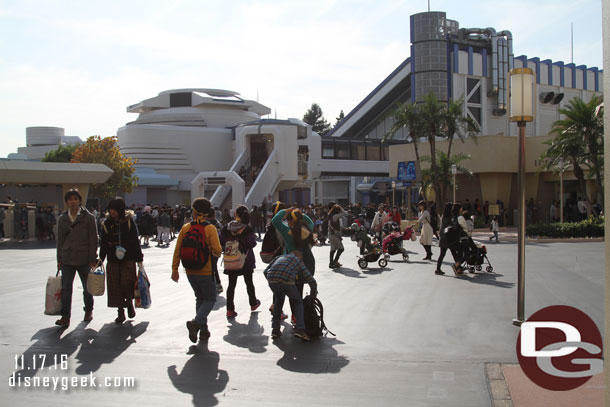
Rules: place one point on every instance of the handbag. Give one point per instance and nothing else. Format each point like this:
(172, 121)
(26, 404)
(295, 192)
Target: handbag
(52, 304)
(142, 290)
(96, 280)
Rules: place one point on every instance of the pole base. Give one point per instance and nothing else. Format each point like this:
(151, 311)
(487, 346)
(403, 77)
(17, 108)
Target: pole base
(517, 322)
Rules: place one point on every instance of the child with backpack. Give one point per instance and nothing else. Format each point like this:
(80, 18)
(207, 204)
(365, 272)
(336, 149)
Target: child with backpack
(281, 275)
(197, 241)
(238, 240)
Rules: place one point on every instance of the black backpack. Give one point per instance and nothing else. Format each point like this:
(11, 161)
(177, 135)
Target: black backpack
(314, 317)
(271, 247)
(194, 251)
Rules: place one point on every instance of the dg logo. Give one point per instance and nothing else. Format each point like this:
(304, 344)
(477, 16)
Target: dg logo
(560, 348)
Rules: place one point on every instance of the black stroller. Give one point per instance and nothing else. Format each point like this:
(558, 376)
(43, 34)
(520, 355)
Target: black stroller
(369, 251)
(475, 256)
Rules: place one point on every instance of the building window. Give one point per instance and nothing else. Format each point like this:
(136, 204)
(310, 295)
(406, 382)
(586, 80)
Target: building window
(180, 99)
(473, 105)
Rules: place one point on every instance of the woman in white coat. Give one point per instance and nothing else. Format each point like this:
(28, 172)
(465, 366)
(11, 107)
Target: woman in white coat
(426, 229)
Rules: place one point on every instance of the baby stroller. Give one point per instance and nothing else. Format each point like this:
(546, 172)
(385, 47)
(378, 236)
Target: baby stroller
(369, 251)
(392, 244)
(475, 257)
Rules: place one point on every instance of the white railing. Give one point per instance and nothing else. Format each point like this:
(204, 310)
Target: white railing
(221, 193)
(265, 183)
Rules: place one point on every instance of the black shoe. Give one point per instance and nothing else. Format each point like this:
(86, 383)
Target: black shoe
(276, 334)
(121, 317)
(192, 327)
(439, 272)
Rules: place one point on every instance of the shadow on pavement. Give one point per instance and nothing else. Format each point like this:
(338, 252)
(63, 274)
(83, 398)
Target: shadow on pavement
(46, 352)
(109, 343)
(200, 376)
(377, 270)
(348, 272)
(485, 278)
(221, 302)
(318, 356)
(249, 336)
(12, 244)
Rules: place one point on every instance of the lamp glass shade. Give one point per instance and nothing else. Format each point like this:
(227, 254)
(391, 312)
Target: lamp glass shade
(522, 91)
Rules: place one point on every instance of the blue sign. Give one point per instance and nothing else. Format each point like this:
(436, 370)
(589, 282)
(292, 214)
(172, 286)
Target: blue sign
(407, 171)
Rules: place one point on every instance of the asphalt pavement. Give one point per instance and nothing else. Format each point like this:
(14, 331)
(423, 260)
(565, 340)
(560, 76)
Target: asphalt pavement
(404, 336)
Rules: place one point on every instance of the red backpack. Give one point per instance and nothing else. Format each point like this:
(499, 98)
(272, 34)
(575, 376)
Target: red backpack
(194, 252)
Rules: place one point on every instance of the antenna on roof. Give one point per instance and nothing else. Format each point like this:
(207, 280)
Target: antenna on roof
(428, 6)
(572, 42)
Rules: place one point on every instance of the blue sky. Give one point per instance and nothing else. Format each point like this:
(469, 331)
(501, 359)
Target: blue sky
(79, 64)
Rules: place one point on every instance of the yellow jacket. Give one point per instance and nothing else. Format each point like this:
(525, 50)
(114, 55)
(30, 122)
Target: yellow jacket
(211, 238)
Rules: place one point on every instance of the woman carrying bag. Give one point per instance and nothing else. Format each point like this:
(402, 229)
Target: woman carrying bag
(237, 240)
(121, 246)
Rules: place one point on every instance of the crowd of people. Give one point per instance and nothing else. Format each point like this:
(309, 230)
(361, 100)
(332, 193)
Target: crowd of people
(207, 234)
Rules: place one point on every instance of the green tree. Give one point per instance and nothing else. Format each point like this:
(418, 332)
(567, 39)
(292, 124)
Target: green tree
(63, 154)
(578, 141)
(443, 176)
(315, 118)
(339, 118)
(433, 119)
(105, 151)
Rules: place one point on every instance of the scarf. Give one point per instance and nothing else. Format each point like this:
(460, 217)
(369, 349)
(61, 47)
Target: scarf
(235, 227)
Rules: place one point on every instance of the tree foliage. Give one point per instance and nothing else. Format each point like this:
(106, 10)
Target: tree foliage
(63, 154)
(105, 151)
(579, 142)
(315, 118)
(340, 118)
(433, 120)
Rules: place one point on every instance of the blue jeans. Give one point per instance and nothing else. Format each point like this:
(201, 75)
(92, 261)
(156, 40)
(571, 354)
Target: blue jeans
(67, 279)
(204, 288)
(296, 301)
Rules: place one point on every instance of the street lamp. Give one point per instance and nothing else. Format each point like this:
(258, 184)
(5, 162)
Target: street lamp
(453, 171)
(393, 192)
(561, 163)
(522, 91)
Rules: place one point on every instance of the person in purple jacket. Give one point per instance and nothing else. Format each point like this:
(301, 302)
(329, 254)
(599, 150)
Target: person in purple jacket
(238, 230)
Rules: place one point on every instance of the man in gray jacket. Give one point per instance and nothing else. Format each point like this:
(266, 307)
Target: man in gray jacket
(76, 252)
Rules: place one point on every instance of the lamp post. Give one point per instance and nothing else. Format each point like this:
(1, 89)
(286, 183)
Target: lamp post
(393, 192)
(453, 171)
(561, 163)
(522, 90)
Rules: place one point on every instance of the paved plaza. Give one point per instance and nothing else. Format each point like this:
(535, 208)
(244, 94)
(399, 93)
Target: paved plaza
(404, 336)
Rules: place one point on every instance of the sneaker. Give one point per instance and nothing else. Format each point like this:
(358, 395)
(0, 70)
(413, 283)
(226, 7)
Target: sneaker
(332, 266)
(276, 334)
(293, 320)
(192, 328)
(283, 316)
(63, 322)
(88, 316)
(231, 314)
(439, 272)
(255, 306)
(299, 333)
(204, 334)
(219, 288)
(337, 264)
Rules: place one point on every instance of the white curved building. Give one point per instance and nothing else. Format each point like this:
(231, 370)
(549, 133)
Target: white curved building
(194, 142)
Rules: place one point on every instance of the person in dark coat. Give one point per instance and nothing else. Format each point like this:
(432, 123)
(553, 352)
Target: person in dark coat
(147, 225)
(240, 231)
(121, 246)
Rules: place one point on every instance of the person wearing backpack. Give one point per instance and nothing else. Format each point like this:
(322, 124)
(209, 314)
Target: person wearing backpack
(273, 244)
(282, 274)
(197, 241)
(237, 240)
